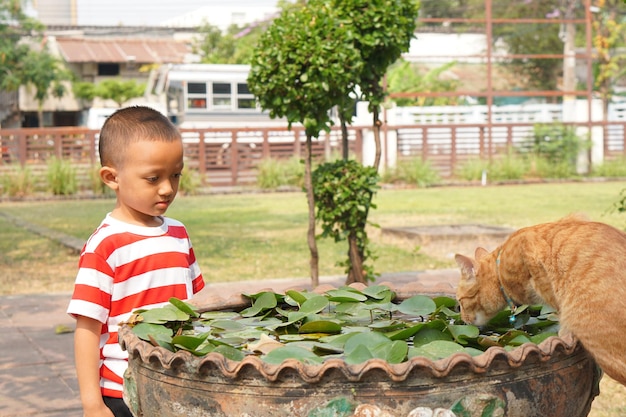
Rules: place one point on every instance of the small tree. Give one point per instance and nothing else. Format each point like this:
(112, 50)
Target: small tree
(609, 37)
(343, 195)
(120, 91)
(47, 75)
(15, 29)
(383, 29)
(303, 66)
(405, 78)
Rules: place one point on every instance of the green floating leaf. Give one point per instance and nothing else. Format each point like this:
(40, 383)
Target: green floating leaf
(188, 342)
(393, 351)
(219, 315)
(437, 349)
(265, 301)
(277, 356)
(158, 332)
(514, 338)
(320, 326)
(358, 355)
(184, 307)
(345, 296)
(445, 302)
(325, 348)
(378, 292)
(462, 333)
(387, 325)
(405, 333)
(418, 305)
(230, 325)
(538, 338)
(230, 352)
(369, 339)
(162, 315)
(427, 335)
(297, 296)
(314, 305)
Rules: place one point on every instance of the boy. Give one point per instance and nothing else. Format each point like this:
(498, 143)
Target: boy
(136, 258)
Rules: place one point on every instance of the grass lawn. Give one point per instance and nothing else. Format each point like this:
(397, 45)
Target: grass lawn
(261, 236)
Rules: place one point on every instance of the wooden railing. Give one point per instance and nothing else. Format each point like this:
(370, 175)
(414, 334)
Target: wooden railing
(229, 156)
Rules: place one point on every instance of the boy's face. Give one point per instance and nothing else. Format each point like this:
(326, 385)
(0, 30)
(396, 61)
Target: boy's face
(147, 182)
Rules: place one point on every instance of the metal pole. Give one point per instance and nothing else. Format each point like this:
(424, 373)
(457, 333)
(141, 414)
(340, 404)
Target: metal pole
(489, 30)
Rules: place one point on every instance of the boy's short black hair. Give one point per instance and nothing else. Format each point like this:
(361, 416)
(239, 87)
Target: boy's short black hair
(132, 124)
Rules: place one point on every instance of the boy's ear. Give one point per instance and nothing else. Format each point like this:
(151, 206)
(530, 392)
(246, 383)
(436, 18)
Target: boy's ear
(108, 175)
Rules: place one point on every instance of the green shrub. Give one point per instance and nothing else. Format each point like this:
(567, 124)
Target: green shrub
(472, 169)
(95, 182)
(274, 173)
(18, 182)
(544, 168)
(510, 167)
(343, 192)
(190, 182)
(414, 171)
(611, 168)
(556, 143)
(61, 177)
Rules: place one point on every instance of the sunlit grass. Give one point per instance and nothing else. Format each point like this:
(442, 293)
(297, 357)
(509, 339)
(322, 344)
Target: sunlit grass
(263, 235)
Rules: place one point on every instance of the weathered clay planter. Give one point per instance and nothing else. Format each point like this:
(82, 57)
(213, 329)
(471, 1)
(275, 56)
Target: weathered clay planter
(555, 378)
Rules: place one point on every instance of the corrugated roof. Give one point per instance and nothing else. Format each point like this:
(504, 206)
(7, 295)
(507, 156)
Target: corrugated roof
(142, 51)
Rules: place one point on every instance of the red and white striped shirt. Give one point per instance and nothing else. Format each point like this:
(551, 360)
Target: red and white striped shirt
(125, 267)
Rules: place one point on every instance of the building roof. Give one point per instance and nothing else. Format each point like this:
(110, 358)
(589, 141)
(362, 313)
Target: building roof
(141, 51)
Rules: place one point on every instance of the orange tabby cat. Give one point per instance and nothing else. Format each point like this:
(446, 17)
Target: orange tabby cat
(576, 266)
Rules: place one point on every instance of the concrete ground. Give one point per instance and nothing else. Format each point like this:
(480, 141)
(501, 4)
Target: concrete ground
(37, 376)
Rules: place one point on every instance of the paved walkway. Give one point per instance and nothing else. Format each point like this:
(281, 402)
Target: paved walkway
(37, 375)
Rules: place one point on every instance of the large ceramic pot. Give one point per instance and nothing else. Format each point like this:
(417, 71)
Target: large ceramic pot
(555, 378)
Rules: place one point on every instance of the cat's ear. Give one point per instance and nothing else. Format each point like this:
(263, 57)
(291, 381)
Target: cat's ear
(466, 264)
(480, 253)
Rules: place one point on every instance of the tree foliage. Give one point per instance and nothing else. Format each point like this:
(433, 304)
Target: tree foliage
(304, 65)
(47, 75)
(407, 78)
(383, 30)
(312, 59)
(120, 91)
(15, 29)
(25, 59)
(531, 39)
(343, 195)
(236, 46)
(608, 41)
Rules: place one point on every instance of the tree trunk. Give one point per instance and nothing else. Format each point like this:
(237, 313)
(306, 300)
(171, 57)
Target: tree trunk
(40, 116)
(344, 137)
(376, 129)
(314, 262)
(356, 261)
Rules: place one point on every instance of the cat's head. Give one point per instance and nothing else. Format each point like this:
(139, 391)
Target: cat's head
(478, 291)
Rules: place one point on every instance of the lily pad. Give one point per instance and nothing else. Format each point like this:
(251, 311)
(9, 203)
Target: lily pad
(277, 356)
(265, 301)
(418, 305)
(320, 326)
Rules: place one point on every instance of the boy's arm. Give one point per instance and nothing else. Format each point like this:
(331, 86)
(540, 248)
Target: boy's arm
(87, 357)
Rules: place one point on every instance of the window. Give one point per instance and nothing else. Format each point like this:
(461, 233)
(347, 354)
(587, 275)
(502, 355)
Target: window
(196, 96)
(221, 96)
(196, 88)
(245, 99)
(108, 69)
